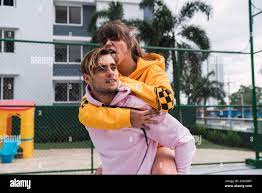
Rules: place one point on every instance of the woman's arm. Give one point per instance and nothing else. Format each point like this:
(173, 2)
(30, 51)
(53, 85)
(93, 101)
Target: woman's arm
(103, 117)
(107, 118)
(155, 91)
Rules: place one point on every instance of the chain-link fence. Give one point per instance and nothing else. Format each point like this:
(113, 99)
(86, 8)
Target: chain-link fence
(48, 74)
(213, 99)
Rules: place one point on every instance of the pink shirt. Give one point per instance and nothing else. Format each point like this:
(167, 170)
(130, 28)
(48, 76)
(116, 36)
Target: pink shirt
(125, 151)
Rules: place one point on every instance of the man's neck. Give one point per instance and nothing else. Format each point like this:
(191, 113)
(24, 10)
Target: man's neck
(104, 98)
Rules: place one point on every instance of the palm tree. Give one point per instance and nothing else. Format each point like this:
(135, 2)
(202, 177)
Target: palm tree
(115, 11)
(204, 88)
(187, 84)
(168, 30)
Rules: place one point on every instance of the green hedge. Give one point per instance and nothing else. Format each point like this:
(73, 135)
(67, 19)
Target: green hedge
(224, 137)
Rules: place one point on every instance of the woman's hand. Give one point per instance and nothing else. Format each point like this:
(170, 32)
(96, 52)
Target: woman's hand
(140, 118)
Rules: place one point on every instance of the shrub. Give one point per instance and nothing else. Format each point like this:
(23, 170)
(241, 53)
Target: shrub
(233, 139)
(216, 136)
(199, 130)
(228, 138)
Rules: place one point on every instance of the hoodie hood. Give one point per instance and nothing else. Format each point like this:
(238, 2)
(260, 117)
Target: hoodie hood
(144, 63)
(122, 93)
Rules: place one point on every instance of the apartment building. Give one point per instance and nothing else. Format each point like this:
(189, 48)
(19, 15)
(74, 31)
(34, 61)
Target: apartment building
(48, 73)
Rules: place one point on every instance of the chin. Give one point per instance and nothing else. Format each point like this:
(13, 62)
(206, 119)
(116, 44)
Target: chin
(111, 89)
(114, 89)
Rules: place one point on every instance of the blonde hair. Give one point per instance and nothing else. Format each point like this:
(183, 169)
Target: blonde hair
(91, 60)
(121, 31)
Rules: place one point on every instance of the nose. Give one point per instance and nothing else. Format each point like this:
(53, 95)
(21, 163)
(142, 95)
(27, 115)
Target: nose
(110, 72)
(108, 43)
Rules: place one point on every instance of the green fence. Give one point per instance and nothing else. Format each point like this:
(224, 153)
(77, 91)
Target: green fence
(48, 73)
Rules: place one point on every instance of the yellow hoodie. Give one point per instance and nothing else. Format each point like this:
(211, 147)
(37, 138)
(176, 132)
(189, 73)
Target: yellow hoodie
(149, 82)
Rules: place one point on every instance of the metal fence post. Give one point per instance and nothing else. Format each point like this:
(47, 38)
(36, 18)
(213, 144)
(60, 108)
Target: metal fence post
(257, 162)
(178, 64)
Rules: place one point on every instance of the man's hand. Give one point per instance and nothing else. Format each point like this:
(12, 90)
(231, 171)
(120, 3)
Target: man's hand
(140, 118)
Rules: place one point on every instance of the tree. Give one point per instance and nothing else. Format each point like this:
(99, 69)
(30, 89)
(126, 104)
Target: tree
(206, 88)
(187, 85)
(115, 11)
(244, 96)
(168, 30)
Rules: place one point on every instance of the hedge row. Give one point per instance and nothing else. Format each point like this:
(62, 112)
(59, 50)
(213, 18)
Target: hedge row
(225, 137)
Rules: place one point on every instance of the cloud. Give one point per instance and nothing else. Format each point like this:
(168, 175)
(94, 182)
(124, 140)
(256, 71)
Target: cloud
(228, 29)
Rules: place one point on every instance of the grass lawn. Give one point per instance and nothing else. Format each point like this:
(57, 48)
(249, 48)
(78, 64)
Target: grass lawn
(66, 145)
(210, 145)
(87, 144)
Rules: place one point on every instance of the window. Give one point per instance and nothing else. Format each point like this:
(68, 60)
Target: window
(7, 2)
(60, 53)
(74, 53)
(68, 15)
(61, 92)
(61, 14)
(6, 88)
(75, 15)
(7, 46)
(68, 92)
(74, 91)
(68, 53)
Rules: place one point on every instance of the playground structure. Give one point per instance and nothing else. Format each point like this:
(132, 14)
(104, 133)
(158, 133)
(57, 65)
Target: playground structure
(25, 111)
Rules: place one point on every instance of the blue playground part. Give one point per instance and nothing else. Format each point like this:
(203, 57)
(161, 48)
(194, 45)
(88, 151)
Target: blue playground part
(8, 151)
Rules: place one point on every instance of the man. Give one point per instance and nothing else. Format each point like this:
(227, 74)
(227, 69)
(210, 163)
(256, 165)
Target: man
(129, 150)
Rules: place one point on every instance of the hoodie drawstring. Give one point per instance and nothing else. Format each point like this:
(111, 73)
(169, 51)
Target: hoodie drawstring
(144, 131)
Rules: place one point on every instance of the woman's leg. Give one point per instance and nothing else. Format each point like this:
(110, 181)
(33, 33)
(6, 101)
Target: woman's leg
(164, 163)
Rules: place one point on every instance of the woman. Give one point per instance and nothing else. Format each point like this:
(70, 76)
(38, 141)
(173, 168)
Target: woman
(145, 75)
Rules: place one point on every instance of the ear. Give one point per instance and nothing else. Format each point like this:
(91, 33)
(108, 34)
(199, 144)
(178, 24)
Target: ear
(87, 78)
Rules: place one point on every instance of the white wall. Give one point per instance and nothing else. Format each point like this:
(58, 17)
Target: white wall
(32, 20)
